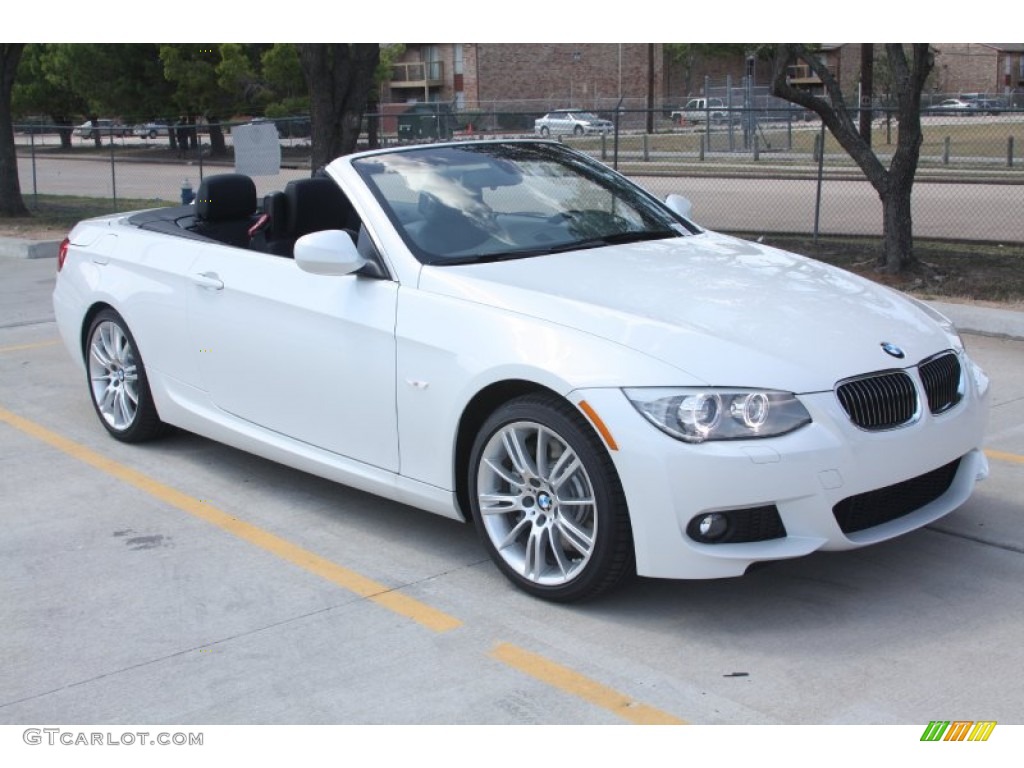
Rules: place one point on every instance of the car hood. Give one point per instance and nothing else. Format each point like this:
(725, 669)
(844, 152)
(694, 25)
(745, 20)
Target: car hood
(725, 311)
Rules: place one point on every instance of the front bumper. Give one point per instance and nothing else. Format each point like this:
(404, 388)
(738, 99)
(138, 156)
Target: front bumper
(804, 474)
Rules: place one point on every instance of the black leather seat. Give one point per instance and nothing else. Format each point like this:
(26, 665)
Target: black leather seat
(309, 205)
(225, 208)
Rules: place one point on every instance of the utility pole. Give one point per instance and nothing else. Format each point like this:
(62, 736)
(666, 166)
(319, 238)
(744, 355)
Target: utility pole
(867, 75)
(650, 87)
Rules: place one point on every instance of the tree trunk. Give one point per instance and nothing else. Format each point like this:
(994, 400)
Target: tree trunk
(895, 184)
(897, 231)
(65, 129)
(218, 147)
(373, 125)
(11, 203)
(340, 78)
(97, 137)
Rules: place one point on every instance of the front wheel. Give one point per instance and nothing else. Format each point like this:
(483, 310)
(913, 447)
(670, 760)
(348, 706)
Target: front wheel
(547, 501)
(117, 381)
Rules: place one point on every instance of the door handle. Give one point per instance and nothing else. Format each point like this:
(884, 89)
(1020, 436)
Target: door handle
(209, 280)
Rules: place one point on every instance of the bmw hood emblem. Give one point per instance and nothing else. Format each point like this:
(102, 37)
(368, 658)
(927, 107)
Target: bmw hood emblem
(892, 349)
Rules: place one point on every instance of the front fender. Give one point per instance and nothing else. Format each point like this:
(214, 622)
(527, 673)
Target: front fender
(449, 350)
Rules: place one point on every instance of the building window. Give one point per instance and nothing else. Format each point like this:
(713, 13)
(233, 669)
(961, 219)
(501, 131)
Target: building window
(457, 57)
(432, 58)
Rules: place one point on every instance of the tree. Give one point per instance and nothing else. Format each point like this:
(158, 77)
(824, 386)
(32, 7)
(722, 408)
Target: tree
(43, 87)
(286, 86)
(11, 203)
(69, 80)
(340, 78)
(214, 81)
(910, 67)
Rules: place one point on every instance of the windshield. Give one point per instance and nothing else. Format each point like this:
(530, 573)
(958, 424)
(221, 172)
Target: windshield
(498, 200)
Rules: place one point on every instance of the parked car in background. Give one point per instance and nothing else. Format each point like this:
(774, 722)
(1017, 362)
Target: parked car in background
(704, 110)
(986, 105)
(151, 130)
(102, 128)
(564, 121)
(294, 127)
(950, 107)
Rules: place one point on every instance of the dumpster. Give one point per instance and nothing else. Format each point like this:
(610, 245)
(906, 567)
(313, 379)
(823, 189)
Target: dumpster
(426, 120)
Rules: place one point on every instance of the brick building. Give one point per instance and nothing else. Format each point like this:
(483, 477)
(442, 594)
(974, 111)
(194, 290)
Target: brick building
(528, 76)
(539, 77)
(996, 69)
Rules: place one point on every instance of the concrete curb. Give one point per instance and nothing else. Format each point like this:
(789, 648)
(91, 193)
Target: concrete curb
(17, 248)
(988, 321)
(969, 318)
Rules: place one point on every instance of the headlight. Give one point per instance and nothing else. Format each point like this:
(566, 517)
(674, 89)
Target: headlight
(696, 415)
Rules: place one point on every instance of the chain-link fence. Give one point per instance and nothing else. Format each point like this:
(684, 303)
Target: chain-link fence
(748, 165)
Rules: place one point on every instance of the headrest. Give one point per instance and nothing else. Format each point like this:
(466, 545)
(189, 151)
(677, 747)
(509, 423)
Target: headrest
(226, 196)
(315, 204)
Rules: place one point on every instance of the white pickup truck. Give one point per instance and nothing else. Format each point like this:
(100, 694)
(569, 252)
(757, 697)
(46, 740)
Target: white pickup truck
(701, 110)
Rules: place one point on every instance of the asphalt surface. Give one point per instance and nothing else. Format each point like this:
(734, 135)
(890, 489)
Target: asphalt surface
(185, 582)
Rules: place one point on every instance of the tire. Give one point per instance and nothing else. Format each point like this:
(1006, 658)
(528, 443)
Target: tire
(545, 131)
(152, 134)
(547, 501)
(578, 130)
(118, 386)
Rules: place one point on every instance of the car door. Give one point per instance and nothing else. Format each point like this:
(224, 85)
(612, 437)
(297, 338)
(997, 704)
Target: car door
(308, 356)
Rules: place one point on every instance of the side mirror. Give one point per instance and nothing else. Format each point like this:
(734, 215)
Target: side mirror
(330, 252)
(681, 205)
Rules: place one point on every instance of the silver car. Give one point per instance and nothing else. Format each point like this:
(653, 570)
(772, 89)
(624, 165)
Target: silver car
(564, 121)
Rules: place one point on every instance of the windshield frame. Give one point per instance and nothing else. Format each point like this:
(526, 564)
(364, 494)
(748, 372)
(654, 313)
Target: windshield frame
(460, 173)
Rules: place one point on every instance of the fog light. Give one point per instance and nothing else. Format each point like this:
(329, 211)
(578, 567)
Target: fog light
(712, 526)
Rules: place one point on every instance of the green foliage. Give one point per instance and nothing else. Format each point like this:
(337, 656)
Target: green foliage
(192, 69)
(389, 54)
(141, 81)
(284, 81)
(42, 87)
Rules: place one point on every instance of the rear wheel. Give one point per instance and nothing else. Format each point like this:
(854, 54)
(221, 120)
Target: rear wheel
(547, 501)
(117, 381)
(578, 130)
(545, 131)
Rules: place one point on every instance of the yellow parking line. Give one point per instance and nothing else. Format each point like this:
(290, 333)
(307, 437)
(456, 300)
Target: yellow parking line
(532, 664)
(37, 345)
(343, 577)
(567, 680)
(1002, 456)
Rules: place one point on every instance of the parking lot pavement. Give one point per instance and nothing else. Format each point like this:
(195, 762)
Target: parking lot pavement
(186, 582)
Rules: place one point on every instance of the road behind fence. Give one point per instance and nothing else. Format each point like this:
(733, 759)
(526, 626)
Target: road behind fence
(744, 170)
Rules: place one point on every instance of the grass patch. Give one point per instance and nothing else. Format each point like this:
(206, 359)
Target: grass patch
(64, 211)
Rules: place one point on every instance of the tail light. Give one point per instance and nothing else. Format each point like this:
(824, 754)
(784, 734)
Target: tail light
(62, 253)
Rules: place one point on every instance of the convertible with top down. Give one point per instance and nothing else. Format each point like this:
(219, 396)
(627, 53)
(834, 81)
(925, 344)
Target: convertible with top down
(511, 333)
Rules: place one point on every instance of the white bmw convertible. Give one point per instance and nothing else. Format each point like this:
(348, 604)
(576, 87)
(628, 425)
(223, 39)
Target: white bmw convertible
(513, 334)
